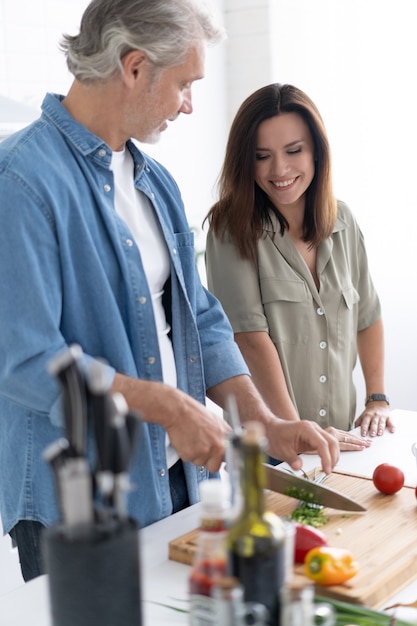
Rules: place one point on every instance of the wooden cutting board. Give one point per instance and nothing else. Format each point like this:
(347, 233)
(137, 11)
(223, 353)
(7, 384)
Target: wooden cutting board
(383, 539)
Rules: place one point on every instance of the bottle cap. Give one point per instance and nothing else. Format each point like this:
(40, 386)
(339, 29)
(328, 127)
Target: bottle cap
(214, 496)
(254, 433)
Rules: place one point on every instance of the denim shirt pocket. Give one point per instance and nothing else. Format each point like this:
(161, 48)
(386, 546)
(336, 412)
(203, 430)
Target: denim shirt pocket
(186, 268)
(286, 304)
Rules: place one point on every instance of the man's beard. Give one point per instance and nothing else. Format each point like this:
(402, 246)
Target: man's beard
(152, 137)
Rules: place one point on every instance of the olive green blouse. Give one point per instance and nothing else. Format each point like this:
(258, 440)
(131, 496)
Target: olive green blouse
(314, 331)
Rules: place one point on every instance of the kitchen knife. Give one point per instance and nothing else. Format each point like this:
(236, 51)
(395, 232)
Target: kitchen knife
(73, 483)
(66, 366)
(282, 481)
(121, 453)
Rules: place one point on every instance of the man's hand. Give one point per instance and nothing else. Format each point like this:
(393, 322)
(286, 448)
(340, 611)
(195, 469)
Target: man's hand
(197, 434)
(288, 439)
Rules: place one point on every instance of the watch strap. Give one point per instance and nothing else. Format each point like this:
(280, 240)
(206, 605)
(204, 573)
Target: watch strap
(377, 397)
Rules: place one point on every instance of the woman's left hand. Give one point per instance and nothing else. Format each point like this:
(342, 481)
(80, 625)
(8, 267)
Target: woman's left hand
(348, 441)
(374, 420)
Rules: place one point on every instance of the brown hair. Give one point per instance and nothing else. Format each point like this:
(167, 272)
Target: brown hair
(243, 208)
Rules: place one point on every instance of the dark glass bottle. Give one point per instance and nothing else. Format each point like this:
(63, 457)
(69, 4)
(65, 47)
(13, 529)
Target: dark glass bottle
(256, 537)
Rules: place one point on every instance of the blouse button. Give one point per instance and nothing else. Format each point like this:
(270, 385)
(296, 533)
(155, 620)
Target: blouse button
(323, 345)
(102, 152)
(323, 378)
(142, 300)
(201, 469)
(162, 473)
(174, 251)
(151, 360)
(107, 188)
(320, 311)
(129, 243)
(322, 412)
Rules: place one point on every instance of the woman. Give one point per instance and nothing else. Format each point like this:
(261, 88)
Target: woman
(288, 263)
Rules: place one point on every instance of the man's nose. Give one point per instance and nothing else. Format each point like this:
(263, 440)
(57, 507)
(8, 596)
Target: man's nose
(187, 104)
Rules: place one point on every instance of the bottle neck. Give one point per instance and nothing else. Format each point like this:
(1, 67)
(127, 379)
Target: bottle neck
(253, 479)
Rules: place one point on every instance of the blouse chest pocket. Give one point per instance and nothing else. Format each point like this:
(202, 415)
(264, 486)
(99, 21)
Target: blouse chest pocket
(347, 316)
(286, 304)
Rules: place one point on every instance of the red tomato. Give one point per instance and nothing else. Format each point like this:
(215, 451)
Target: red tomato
(388, 478)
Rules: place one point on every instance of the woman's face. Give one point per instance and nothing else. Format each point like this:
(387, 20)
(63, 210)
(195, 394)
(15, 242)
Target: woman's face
(284, 160)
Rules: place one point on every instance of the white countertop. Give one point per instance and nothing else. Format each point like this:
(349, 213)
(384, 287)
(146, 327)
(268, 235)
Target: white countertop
(165, 581)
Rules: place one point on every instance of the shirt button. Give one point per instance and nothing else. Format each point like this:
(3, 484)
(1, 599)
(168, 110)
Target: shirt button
(320, 311)
(162, 473)
(174, 251)
(142, 300)
(102, 152)
(322, 412)
(107, 188)
(323, 378)
(151, 360)
(201, 469)
(152, 196)
(323, 345)
(192, 359)
(129, 243)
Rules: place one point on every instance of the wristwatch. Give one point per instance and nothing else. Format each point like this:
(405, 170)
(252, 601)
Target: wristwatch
(377, 397)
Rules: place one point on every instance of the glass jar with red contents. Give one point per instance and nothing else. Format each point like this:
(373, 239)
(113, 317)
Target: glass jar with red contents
(210, 561)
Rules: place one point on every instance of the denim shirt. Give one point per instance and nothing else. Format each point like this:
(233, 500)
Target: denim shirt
(70, 272)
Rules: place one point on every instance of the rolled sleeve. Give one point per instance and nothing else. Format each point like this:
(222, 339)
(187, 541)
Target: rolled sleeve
(237, 288)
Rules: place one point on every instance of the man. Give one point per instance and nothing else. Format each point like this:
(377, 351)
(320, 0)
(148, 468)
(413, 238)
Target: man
(95, 249)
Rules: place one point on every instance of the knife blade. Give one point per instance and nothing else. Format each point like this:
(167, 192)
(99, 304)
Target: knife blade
(282, 481)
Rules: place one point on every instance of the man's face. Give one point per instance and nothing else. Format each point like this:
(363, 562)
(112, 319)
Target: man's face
(167, 93)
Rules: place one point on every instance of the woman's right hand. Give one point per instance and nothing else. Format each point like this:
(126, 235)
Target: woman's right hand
(348, 441)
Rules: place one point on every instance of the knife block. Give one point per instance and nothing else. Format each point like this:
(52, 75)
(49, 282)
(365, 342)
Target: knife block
(94, 574)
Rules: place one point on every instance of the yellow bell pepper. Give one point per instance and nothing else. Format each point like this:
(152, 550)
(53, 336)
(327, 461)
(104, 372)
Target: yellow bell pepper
(328, 565)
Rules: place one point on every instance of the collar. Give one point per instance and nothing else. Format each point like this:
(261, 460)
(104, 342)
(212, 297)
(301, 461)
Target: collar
(80, 137)
(340, 223)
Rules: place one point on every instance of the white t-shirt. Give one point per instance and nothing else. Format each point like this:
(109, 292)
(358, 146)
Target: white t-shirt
(136, 211)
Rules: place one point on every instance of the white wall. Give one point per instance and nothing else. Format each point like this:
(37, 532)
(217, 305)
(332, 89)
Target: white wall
(30, 63)
(356, 59)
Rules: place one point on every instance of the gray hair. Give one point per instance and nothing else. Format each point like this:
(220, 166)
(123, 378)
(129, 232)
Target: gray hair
(163, 29)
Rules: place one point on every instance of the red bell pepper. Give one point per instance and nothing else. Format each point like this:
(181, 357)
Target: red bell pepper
(306, 538)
